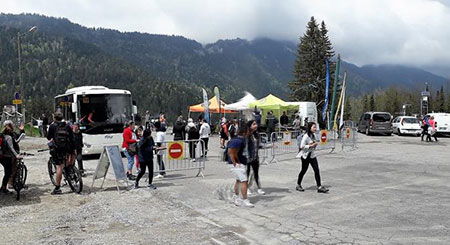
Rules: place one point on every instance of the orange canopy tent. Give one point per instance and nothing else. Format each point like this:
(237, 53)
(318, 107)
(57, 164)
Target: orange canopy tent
(213, 107)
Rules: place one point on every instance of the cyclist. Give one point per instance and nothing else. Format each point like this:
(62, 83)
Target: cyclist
(9, 154)
(62, 147)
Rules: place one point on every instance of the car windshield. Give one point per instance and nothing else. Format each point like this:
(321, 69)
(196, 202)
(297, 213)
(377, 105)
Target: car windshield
(381, 117)
(410, 120)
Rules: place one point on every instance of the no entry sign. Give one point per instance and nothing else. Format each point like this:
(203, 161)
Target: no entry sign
(347, 133)
(323, 137)
(175, 150)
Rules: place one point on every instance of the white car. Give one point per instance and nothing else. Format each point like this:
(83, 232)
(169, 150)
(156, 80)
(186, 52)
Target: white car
(406, 125)
(442, 122)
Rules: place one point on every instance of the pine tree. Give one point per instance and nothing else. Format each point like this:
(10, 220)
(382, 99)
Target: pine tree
(372, 103)
(309, 69)
(365, 103)
(441, 99)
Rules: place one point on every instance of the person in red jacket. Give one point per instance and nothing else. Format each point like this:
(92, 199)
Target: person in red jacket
(129, 147)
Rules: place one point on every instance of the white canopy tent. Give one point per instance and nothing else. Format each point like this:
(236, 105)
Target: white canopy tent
(242, 105)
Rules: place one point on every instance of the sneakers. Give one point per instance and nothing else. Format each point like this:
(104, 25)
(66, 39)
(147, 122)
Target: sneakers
(150, 186)
(299, 188)
(193, 159)
(249, 192)
(136, 185)
(322, 189)
(131, 176)
(56, 191)
(247, 203)
(159, 176)
(233, 198)
(6, 191)
(261, 192)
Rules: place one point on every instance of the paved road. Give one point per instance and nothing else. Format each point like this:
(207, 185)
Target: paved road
(390, 190)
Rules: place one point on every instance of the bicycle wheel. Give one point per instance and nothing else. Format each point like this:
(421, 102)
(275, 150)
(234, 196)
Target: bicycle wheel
(19, 179)
(52, 171)
(73, 177)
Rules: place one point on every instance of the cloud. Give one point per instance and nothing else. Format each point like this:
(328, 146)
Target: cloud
(410, 32)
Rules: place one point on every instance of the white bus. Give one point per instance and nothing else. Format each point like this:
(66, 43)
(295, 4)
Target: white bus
(101, 112)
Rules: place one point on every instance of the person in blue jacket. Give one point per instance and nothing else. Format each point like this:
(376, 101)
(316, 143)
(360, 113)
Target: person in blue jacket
(145, 155)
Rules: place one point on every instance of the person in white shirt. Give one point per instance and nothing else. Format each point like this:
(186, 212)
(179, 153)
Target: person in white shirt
(205, 130)
(308, 156)
(160, 138)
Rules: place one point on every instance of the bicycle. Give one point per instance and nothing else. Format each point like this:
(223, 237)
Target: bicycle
(71, 174)
(20, 178)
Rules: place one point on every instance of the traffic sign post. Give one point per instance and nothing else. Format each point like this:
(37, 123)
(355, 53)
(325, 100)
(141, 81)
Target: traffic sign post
(175, 150)
(347, 133)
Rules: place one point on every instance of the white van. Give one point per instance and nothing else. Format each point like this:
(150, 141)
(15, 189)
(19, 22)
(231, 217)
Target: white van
(442, 122)
(307, 110)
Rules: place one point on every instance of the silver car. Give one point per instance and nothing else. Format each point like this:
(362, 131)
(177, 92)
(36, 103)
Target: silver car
(375, 122)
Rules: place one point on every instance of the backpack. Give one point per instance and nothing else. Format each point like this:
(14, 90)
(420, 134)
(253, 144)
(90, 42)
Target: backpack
(61, 136)
(232, 130)
(193, 133)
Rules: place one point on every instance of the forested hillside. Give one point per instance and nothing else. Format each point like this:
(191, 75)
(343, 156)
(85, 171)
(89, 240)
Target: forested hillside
(165, 73)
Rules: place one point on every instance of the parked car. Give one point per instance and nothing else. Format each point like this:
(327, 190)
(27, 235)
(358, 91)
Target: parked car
(442, 122)
(406, 125)
(375, 122)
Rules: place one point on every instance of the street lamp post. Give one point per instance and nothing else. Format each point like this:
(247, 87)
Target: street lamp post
(19, 54)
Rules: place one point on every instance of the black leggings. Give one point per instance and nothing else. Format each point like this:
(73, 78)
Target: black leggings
(143, 166)
(255, 166)
(205, 147)
(7, 166)
(305, 165)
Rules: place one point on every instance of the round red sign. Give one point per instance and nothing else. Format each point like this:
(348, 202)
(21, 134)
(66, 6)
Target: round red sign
(348, 133)
(323, 137)
(175, 150)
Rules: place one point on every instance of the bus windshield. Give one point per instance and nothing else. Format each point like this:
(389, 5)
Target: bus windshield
(101, 109)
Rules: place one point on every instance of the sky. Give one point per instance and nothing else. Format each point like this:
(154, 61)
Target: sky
(406, 32)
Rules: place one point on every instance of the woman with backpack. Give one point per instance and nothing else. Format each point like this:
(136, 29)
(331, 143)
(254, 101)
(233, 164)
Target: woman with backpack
(308, 156)
(252, 154)
(193, 135)
(9, 154)
(145, 154)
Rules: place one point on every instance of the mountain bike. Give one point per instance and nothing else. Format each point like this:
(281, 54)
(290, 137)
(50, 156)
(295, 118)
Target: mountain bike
(20, 178)
(71, 174)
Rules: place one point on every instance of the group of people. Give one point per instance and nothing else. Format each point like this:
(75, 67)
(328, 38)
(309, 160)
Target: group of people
(242, 152)
(65, 144)
(192, 132)
(429, 128)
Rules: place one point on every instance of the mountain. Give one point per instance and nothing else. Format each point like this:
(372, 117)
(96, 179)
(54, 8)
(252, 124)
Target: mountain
(158, 68)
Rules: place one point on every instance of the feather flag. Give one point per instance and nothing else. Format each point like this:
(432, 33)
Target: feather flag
(327, 86)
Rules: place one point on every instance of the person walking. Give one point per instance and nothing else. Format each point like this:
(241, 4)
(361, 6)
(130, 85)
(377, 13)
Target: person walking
(160, 139)
(9, 154)
(205, 130)
(193, 135)
(44, 119)
(432, 129)
(308, 157)
(179, 129)
(78, 141)
(145, 154)
(224, 135)
(129, 148)
(236, 148)
(425, 126)
(233, 128)
(253, 156)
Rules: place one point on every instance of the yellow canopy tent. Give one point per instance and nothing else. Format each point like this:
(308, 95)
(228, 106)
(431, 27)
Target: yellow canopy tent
(213, 107)
(273, 103)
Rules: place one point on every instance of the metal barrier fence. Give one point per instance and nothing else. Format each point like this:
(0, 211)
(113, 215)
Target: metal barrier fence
(181, 155)
(288, 143)
(349, 134)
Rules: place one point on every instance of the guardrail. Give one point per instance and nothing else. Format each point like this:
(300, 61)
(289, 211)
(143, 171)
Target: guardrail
(181, 155)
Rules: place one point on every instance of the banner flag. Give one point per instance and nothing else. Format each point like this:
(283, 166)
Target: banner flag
(206, 105)
(325, 104)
